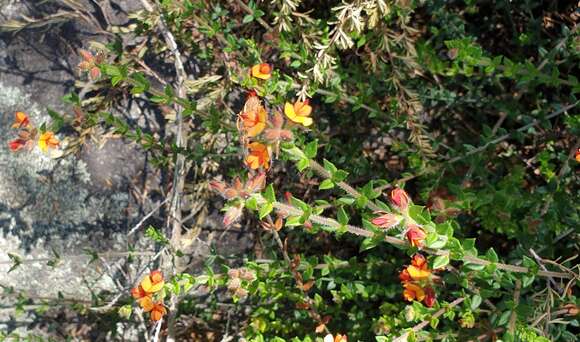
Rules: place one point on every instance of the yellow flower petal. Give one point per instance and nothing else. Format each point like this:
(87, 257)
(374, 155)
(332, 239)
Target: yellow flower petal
(289, 111)
(149, 286)
(307, 121)
(417, 273)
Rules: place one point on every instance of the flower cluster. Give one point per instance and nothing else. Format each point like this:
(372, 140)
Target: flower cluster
(417, 279)
(148, 296)
(262, 135)
(240, 277)
(28, 134)
(414, 233)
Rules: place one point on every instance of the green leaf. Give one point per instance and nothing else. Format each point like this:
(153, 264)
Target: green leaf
(326, 184)
(367, 244)
(269, 194)
(302, 164)
(248, 19)
(475, 302)
(339, 175)
(311, 149)
(491, 255)
(328, 166)
(440, 261)
(342, 216)
(265, 210)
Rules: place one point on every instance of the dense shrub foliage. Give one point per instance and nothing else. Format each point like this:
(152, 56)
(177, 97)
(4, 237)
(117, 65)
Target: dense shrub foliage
(410, 167)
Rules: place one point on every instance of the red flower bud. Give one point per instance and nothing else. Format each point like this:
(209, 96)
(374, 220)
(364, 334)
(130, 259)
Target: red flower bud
(400, 198)
(387, 220)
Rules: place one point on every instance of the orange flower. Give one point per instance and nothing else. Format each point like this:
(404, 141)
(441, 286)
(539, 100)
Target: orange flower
(578, 155)
(415, 235)
(17, 144)
(262, 71)
(254, 121)
(153, 282)
(21, 120)
(138, 292)
(157, 309)
(419, 261)
(413, 291)
(47, 140)
(258, 157)
(400, 198)
(387, 220)
(299, 112)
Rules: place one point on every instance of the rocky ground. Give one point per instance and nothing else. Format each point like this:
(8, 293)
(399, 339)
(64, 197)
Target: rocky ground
(55, 210)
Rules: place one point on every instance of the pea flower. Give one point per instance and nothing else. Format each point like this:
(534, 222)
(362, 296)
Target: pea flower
(415, 235)
(152, 283)
(157, 309)
(299, 112)
(254, 121)
(387, 220)
(413, 292)
(47, 140)
(21, 120)
(400, 198)
(258, 156)
(262, 71)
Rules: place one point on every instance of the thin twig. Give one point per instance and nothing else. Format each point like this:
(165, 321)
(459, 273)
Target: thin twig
(328, 222)
(514, 315)
(138, 225)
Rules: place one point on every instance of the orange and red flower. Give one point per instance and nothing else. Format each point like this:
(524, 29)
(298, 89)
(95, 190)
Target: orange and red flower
(157, 309)
(47, 140)
(416, 279)
(415, 235)
(258, 156)
(153, 282)
(21, 120)
(413, 292)
(143, 293)
(299, 112)
(262, 71)
(254, 121)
